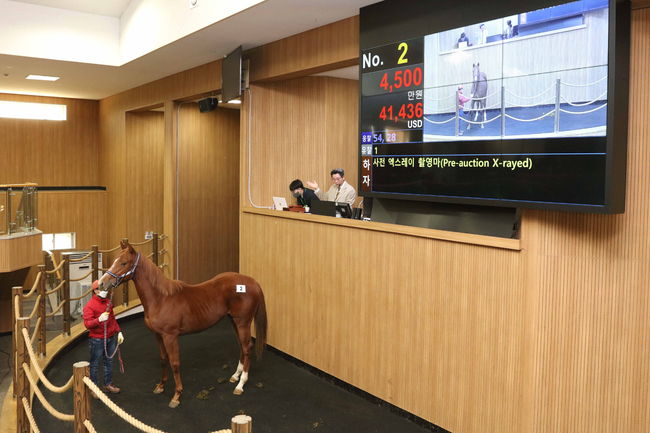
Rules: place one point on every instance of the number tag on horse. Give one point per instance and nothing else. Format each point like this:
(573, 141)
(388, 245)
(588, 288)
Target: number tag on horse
(241, 288)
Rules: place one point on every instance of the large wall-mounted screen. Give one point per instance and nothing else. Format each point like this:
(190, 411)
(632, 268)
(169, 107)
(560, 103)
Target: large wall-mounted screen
(513, 110)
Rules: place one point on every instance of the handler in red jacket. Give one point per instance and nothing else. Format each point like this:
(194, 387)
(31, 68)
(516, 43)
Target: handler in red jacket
(99, 319)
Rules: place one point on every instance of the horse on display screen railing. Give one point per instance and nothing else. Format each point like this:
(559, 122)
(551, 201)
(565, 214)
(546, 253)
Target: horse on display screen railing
(173, 308)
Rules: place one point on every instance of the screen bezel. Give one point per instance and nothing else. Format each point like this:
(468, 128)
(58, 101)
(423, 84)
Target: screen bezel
(417, 18)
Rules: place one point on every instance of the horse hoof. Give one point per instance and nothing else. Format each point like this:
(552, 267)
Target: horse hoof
(234, 379)
(238, 391)
(158, 389)
(174, 404)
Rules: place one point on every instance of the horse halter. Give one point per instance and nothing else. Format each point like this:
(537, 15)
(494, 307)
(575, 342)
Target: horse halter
(130, 272)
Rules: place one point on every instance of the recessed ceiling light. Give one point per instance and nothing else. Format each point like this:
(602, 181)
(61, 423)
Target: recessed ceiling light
(41, 77)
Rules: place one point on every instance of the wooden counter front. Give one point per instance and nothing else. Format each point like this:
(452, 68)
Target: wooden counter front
(20, 250)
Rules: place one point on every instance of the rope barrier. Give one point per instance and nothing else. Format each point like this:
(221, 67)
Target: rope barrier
(481, 123)
(111, 250)
(530, 97)
(39, 372)
(37, 327)
(439, 123)
(164, 265)
(584, 112)
(82, 258)
(46, 404)
(162, 237)
(86, 293)
(82, 278)
(56, 289)
(34, 287)
(141, 243)
(30, 415)
(150, 255)
(598, 98)
(33, 311)
(531, 120)
(118, 410)
(89, 426)
(104, 269)
(584, 85)
(57, 268)
(163, 251)
(57, 309)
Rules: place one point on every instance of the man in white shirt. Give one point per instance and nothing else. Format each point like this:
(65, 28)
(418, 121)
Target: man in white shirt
(340, 191)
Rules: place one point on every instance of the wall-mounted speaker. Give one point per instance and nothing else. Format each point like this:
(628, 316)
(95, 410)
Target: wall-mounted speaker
(208, 104)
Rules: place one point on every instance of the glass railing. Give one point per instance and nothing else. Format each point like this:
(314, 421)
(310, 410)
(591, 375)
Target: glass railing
(18, 208)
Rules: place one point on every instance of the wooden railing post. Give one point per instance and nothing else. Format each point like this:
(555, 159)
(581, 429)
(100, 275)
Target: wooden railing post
(81, 396)
(22, 385)
(241, 424)
(154, 248)
(125, 286)
(42, 333)
(15, 314)
(66, 297)
(95, 264)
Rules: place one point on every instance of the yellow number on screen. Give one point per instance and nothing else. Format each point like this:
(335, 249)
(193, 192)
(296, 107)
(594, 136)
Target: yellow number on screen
(402, 58)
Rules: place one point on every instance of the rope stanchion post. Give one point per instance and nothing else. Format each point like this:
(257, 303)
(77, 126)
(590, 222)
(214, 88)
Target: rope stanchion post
(42, 335)
(81, 395)
(22, 385)
(125, 286)
(66, 298)
(95, 263)
(16, 312)
(503, 111)
(154, 247)
(558, 85)
(241, 424)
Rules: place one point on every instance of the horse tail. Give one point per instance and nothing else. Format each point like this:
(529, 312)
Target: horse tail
(260, 326)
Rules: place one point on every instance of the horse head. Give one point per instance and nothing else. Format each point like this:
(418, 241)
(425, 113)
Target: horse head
(476, 72)
(123, 267)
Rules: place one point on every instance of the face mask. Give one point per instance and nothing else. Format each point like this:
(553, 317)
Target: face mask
(103, 294)
(296, 194)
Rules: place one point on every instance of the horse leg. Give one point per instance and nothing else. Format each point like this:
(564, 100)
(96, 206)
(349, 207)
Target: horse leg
(240, 365)
(164, 360)
(484, 117)
(171, 344)
(244, 336)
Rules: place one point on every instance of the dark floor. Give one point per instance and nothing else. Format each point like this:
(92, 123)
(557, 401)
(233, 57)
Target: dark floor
(280, 396)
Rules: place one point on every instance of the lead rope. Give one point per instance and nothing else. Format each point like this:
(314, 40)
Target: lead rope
(117, 346)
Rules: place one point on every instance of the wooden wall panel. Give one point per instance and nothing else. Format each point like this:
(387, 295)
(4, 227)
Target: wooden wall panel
(321, 49)
(208, 193)
(82, 212)
(50, 153)
(303, 128)
(145, 135)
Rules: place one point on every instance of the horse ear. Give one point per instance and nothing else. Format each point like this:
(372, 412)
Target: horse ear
(123, 244)
(131, 249)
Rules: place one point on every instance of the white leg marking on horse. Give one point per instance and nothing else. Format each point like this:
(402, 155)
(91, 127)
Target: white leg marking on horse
(236, 374)
(240, 386)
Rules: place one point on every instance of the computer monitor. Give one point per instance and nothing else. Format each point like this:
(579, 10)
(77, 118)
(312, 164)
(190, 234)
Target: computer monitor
(344, 209)
(323, 207)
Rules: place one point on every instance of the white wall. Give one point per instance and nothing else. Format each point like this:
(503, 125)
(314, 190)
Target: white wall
(44, 32)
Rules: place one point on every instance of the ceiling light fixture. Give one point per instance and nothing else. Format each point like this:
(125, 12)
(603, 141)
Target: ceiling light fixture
(41, 77)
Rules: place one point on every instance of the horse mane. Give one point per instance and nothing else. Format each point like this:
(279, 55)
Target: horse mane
(158, 280)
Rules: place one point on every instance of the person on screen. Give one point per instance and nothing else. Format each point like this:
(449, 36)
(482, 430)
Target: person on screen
(340, 191)
(463, 38)
(304, 196)
(483, 35)
(461, 100)
(508, 32)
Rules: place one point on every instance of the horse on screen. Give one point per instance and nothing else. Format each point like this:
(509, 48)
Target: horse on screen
(479, 94)
(173, 308)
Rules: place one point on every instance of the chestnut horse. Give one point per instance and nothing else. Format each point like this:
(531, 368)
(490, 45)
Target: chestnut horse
(173, 308)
